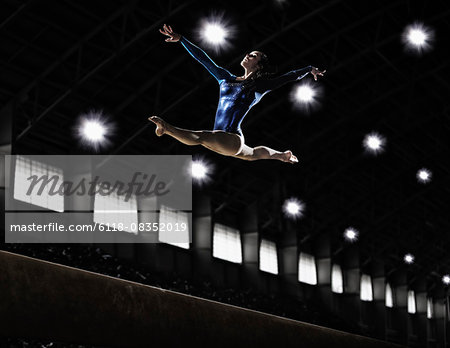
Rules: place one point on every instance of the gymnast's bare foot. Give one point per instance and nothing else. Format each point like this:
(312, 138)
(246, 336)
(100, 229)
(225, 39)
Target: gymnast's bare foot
(160, 125)
(288, 156)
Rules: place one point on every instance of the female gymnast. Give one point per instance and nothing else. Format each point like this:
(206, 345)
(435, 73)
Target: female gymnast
(238, 94)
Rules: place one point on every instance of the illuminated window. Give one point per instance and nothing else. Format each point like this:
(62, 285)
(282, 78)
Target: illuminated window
(174, 227)
(411, 302)
(366, 291)
(307, 269)
(430, 308)
(26, 168)
(337, 279)
(268, 259)
(227, 243)
(389, 297)
(116, 211)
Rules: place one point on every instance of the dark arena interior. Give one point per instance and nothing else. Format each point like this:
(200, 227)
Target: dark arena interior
(353, 239)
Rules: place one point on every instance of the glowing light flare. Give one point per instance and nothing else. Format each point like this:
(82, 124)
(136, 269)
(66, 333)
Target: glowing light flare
(200, 171)
(215, 32)
(423, 175)
(374, 143)
(417, 37)
(293, 207)
(94, 130)
(446, 279)
(408, 258)
(351, 234)
(304, 94)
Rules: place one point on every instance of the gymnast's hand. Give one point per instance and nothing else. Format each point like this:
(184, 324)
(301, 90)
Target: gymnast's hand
(172, 37)
(315, 72)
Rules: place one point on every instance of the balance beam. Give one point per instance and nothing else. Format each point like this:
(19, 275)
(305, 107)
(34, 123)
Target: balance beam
(51, 302)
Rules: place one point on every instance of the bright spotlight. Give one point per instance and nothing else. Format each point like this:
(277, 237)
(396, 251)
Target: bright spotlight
(293, 207)
(93, 129)
(374, 143)
(446, 279)
(200, 171)
(351, 234)
(305, 96)
(417, 37)
(423, 176)
(215, 32)
(408, 258)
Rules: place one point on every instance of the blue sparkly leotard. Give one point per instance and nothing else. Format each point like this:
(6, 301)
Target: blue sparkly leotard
(238, 97)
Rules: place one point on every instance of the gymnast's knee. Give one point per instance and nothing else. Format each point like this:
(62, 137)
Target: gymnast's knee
(260, 152)
(248, 154)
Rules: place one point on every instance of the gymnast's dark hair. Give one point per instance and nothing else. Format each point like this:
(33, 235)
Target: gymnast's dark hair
(266, 69)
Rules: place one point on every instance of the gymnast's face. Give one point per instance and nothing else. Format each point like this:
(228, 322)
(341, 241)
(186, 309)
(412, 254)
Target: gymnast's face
(251, 60)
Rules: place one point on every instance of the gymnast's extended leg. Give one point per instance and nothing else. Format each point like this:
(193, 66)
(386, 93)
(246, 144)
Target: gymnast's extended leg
(224, 143)
(263, 152)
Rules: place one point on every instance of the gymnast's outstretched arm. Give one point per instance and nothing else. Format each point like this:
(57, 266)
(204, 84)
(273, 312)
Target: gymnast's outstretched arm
(266, 85)
(196, 52)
